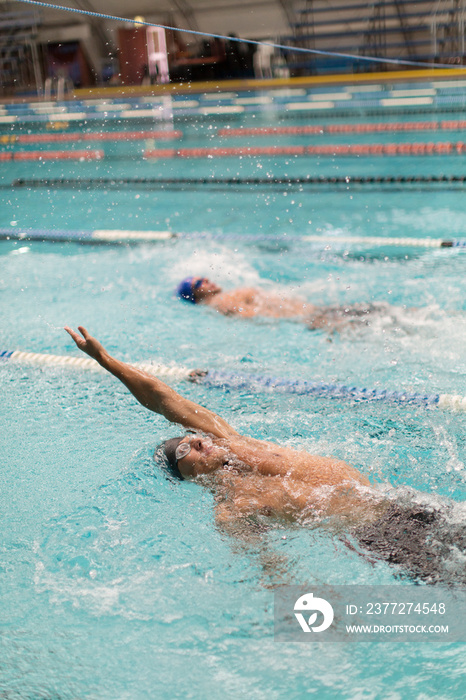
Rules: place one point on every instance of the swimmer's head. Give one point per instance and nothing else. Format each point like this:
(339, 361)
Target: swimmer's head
(190, 456)
(169, 452)
(196, 289)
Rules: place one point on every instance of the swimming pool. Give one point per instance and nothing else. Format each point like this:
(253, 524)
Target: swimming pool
(115, 582)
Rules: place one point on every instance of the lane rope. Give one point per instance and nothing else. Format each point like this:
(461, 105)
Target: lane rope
(228, 380)
(451, 125)
(91, 136)
(346, 180)
(370, 149)
(52, 155)
(122, 236)
(43, 359)
(333, 150)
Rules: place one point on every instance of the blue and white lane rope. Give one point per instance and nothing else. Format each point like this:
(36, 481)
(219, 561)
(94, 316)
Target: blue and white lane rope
(229, 380)
(332, 391)
(96, 236)
(43, 359)
(122, 236)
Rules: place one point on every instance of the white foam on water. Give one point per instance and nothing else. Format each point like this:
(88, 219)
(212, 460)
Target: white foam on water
(222, 265)
(430, 221)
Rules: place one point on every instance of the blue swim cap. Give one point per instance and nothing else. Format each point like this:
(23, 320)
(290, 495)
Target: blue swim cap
(187, 287)
(185, 290)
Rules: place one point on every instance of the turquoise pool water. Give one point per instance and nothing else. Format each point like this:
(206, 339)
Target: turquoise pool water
(115, 582)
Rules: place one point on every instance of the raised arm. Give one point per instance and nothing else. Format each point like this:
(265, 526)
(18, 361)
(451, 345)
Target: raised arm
(153, 393)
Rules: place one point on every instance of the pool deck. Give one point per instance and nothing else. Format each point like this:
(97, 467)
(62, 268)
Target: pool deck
(273, 83)
(253, 84)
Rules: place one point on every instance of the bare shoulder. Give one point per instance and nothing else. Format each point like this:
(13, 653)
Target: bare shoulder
(261, 453)
(238, 301)
(241, 295)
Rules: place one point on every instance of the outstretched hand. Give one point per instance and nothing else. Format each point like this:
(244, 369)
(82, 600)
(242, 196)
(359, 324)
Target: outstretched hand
(87, 343)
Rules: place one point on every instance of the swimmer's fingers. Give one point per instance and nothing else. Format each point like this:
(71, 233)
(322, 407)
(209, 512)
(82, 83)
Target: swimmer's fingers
(77, 338)
(87, 343)
(84, 333)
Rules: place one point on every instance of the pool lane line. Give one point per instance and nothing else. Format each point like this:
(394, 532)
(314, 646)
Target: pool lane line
(43, 359)
(108, 236)
(381, 127)
(91, 136)
(52, 155)
(159, 182)
(285, 239)
(229, 380)
(370, 149)
(451, 125)
(302, 387)
(309, 111)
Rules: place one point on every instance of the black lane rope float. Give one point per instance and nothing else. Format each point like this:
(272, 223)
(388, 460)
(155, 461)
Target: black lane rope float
(87, 183)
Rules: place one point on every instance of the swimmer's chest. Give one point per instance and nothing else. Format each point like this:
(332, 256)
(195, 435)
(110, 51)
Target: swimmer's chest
(270, 460)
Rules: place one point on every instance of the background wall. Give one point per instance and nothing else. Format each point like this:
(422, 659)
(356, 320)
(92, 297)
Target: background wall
(401, 29)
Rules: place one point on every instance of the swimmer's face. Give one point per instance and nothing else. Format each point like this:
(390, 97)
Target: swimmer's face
(204, 456)
(205, 289)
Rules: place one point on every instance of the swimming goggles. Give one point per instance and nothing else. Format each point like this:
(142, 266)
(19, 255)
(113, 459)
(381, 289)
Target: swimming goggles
(183, 450)
(195, 285)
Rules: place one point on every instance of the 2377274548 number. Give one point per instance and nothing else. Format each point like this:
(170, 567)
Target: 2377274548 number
(405, 608)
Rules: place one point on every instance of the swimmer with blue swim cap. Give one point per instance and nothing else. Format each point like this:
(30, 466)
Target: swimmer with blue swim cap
(196, 290)
(252, 478)
(249, 302)
(246, 302)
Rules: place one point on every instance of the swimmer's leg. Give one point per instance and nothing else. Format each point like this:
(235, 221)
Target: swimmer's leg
(336, 318)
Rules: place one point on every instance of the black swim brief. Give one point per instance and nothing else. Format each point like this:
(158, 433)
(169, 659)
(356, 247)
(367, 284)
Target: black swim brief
(416, 539)
(340, 316)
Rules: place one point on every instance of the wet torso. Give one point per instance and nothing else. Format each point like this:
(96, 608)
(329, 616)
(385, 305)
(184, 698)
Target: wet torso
(262, 478)
(249, 302)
